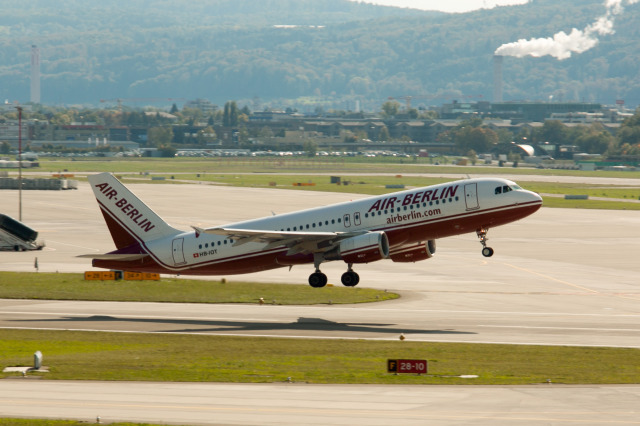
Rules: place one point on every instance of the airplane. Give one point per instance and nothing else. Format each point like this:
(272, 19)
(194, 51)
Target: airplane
(401, 226)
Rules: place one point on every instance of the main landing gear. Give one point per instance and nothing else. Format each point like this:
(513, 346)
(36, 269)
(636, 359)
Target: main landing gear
(349, 278)
(317, 279)
(482, 234)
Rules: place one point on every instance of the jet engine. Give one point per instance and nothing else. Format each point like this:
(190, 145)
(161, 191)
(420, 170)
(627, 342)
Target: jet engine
(363, 248)
(414, 252)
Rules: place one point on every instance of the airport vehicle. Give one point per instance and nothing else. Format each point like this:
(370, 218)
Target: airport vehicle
(15, 235)
(401, 226)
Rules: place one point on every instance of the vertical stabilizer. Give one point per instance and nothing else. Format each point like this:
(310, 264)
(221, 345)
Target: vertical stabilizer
(130, 221)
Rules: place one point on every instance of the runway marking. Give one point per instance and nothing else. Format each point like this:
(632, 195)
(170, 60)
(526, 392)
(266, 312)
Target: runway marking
(567, 283)
(550, 278)
(561, 328)
(73, 245)
(407, 411)
(124, 316)
(414, 337)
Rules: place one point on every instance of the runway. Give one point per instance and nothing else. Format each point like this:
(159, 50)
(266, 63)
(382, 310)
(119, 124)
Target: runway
(559, 277)
(299, 404)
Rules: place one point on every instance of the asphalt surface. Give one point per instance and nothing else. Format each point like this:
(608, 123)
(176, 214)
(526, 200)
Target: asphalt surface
(559, 277)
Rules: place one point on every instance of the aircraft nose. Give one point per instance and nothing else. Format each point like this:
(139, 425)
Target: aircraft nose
(535, 197)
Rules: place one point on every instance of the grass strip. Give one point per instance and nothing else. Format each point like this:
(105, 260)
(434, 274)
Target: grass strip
(377, 185)
(43, 422)
(76, 355)
(63, 286)
(336, 165)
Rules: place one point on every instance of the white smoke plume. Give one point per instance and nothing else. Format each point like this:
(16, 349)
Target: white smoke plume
(562, 45)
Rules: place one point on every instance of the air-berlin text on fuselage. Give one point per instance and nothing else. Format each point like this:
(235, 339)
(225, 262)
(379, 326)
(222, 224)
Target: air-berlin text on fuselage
(126, 207)
(414, 198)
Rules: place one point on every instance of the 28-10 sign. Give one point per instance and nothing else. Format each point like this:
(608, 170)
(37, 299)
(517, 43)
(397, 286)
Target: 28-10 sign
(407, 366)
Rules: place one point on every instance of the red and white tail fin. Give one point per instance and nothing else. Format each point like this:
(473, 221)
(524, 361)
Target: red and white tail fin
(130, 221)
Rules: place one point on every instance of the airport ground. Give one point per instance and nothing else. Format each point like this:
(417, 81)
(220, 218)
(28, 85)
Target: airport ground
(559, 277)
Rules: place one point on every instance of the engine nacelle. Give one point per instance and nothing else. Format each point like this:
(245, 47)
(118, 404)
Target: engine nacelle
(414, 252)
(363, 248)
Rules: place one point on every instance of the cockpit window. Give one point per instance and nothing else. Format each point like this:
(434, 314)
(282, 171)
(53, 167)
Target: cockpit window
(506, 188)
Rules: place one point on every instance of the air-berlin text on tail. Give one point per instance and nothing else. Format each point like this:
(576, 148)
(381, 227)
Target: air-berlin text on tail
(127, 208)
(414, 198)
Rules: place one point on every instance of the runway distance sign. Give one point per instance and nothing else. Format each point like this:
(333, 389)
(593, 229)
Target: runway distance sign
(407, 366)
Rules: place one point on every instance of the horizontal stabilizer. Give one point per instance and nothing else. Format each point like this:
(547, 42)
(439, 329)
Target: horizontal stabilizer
(121, 257)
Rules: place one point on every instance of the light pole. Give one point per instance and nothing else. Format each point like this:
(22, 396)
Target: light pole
(19, 108)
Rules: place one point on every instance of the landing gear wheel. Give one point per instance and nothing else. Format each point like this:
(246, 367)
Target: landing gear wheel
(482, 234)
(487, 252)
(350, 279)
(317, 280)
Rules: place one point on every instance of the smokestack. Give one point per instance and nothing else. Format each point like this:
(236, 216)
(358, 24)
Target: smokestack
(35, 74)
(497, 78)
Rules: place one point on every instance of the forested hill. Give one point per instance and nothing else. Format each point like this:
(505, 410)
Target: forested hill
(319, 52)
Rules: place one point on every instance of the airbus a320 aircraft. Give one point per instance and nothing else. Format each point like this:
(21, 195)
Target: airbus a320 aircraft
(402, 226)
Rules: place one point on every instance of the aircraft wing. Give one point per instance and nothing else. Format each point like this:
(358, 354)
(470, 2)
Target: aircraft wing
(297, 242)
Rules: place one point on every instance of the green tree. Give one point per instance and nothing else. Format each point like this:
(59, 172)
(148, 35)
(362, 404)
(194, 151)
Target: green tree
(384, 134)
(390, 109)
(594, 140)
(159, 136)
(206, 135)
(553, 131)
(230, 115)
(479, 139)
(629, 132)
(473, 157)
(167, 151)
(310, 147)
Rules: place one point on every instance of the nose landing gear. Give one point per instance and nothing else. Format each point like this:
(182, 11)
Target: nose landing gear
(482, 234)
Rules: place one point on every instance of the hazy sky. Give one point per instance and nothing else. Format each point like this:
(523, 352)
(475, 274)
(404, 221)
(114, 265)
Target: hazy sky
(445, 6)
